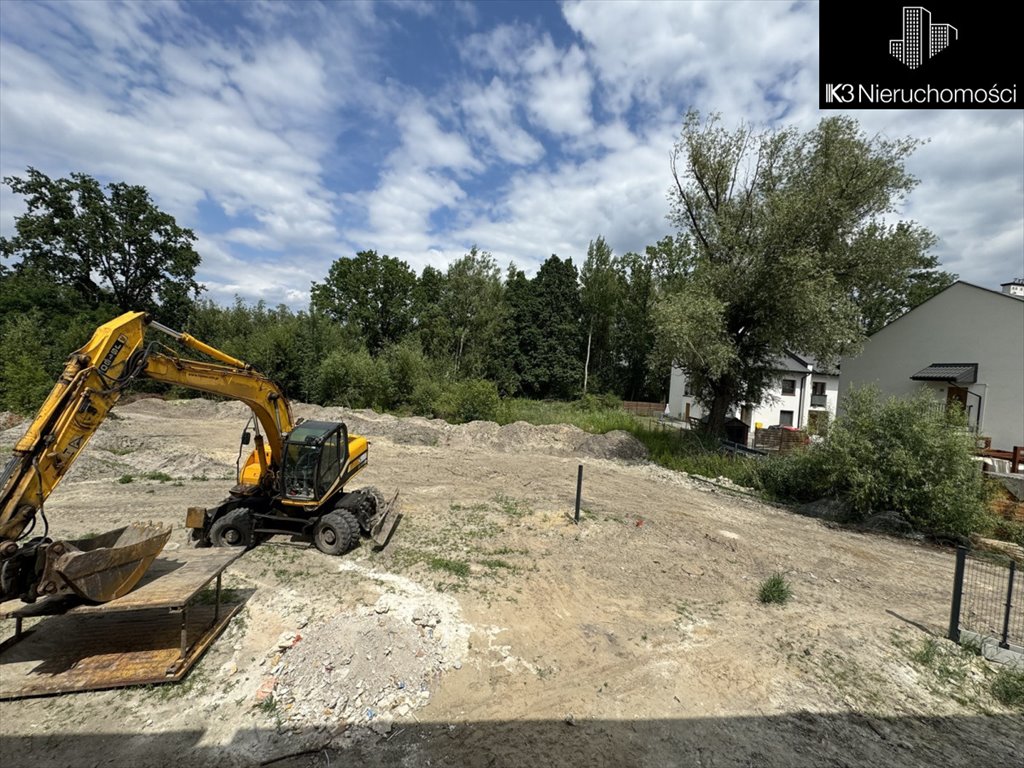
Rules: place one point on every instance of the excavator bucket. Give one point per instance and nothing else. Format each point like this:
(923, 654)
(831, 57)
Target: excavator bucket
(101, 568)
(385, 522)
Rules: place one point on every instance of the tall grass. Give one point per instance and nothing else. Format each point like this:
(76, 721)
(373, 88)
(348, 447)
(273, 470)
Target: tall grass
(695, 453)
(590, 418)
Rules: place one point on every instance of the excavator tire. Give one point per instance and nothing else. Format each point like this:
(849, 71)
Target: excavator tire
(336, 532)
(233, 529)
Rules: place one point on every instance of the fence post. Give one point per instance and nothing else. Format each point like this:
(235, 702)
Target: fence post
(579, 492)
(1009, 602)
(958, 591)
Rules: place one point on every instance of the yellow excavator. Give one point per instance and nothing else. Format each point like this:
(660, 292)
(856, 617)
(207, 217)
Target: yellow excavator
(293, 481)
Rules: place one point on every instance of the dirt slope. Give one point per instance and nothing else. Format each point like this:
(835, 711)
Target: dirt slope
(493, 631)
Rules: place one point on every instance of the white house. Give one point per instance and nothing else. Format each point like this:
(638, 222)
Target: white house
(803, 395)
(966, 344)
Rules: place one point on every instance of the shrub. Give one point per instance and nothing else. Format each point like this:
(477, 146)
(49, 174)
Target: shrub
(902, 454)
(353, 379)
(774, 589)
(469, 400)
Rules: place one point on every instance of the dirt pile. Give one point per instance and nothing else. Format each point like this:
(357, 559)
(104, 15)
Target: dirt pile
(372, 666)
(518, 437)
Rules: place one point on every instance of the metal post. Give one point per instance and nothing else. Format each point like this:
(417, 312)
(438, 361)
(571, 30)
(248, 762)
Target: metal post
(216, 605)
(1009, 602)
(958, 591)
(579, 493)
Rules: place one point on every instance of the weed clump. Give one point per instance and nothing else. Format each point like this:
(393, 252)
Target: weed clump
(775, 589)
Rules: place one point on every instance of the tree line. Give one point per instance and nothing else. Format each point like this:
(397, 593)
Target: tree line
(783, 240)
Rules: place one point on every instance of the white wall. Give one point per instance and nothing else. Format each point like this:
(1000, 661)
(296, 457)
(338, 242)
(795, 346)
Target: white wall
(963, 324)
(769, 412)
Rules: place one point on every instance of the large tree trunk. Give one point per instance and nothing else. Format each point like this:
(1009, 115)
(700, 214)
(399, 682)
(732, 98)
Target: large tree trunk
(719, 411)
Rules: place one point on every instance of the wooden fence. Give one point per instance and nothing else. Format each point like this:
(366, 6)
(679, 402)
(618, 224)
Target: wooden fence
(643, 409)
(781, 440)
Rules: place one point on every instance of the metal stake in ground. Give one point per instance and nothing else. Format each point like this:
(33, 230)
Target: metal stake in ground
(579, 493)
(958, 590)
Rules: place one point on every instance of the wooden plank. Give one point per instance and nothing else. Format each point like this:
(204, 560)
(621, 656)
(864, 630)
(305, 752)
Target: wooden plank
(173, 579)
(93, 651)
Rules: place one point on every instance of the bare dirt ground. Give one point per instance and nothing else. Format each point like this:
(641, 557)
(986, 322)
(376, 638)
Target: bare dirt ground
(493, 631)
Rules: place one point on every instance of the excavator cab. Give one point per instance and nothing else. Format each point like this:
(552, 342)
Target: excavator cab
(315, 453)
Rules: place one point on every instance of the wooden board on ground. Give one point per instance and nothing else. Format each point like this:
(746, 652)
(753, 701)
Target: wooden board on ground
(154, 634)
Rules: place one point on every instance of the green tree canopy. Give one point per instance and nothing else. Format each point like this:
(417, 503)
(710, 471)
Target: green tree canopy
(113, 246)
(371, 293)
(600, 292)
(790, 246)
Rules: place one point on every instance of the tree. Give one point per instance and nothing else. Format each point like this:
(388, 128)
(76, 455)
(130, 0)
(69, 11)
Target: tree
(789, 241)
(600, 291)
(472, 303)
(370, 293)
(554, 369)
(108, 247)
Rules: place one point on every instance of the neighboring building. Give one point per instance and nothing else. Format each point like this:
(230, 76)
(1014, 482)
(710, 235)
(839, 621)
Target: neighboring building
(966, 343)
(1014, 287)
(803, 395)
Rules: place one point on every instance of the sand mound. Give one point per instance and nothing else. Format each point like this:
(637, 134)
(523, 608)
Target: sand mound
(191, 408)
(616, 444)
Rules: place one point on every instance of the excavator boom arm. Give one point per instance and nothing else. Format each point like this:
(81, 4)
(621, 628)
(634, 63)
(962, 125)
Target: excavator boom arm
(89, 386)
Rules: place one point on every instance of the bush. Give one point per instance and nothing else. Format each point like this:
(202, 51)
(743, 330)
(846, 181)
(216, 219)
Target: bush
(775, 589)
(354, 380)
(469, 400)
(903, 454)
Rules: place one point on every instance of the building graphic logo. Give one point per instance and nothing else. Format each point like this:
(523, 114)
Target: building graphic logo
(921, 39)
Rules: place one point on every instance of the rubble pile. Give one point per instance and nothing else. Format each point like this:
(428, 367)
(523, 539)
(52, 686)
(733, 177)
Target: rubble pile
(369, 668)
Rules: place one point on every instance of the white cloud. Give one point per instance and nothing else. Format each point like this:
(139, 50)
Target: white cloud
(537, 142)
(490, 113)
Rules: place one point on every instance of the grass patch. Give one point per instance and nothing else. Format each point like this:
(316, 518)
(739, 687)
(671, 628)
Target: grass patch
(511, 507)
(686, 450)
(125, 479)
(925, 655)
(1008, 688)
(458, 568)
(775, 589)
(162, 477)
(585, 414)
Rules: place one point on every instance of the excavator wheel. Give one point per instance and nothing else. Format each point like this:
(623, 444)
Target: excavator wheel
(233, 529)
(336, 532)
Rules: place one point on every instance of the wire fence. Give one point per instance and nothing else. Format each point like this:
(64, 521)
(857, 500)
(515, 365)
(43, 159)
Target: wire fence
(988, 598)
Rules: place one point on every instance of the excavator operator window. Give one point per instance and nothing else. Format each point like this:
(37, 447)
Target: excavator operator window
(330, 464)
(304, 453)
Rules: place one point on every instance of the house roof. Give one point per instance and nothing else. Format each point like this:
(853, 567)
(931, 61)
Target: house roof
(994, 292)
(954, 373)
(1015, 281)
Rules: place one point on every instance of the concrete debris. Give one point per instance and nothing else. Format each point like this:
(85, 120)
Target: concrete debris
(370, 667)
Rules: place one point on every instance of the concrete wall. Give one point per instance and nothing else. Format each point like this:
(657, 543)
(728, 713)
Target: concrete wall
(963, 324)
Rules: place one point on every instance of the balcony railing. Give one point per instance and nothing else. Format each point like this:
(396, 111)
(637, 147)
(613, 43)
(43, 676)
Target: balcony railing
(819, 401)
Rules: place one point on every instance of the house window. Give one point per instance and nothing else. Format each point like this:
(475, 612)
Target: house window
(818, 388)
(789, 386)
(786, 418)
(687, 389)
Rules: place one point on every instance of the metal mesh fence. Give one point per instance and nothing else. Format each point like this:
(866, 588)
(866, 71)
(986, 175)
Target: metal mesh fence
(992, 598)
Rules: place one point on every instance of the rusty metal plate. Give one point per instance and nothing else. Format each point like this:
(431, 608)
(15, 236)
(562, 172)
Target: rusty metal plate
(173, 579)
(93, 651)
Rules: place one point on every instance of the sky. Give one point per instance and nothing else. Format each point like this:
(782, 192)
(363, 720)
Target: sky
(290, 135)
